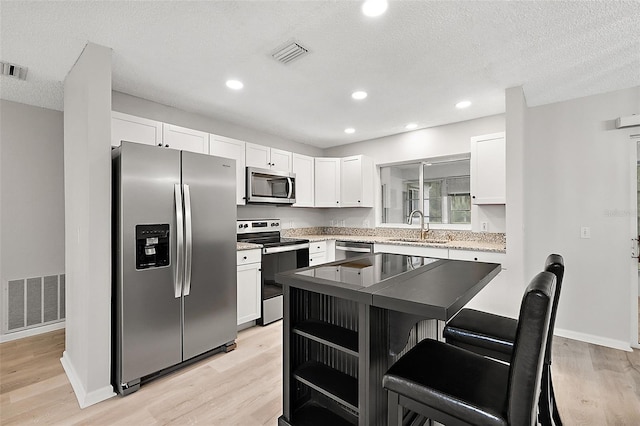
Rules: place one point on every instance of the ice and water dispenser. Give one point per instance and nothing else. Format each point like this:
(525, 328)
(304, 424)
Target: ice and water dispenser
(152, 246)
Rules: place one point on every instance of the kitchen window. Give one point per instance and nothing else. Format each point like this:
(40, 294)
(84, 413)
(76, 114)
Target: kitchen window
(439, 188)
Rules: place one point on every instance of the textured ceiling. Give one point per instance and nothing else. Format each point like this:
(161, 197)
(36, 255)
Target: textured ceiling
(416, 61)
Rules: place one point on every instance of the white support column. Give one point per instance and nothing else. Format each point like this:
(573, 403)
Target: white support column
(87, 184)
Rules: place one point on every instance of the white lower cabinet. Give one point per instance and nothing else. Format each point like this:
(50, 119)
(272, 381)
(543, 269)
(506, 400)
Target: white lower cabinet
(478, 256)
(317, 253)
(249, 280)
(439, 252)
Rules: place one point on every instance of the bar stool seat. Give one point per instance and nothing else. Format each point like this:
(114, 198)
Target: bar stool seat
(463, 384)
(455, 386)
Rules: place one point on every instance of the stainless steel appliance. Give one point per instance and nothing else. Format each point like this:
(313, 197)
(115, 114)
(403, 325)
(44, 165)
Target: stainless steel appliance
(174, 258)
(269, 186)
(348, 249)
(278, 255)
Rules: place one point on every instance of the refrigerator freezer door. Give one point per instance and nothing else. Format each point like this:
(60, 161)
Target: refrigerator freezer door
(210, 307)
(147, 311)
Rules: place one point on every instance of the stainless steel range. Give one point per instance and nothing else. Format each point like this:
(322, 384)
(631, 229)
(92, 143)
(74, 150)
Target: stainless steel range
(278, 254)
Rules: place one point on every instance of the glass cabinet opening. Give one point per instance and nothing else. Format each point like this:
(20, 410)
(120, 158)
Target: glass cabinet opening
(440, 189)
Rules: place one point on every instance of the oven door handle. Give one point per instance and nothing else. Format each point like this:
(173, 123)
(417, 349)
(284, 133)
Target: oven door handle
(281, 249)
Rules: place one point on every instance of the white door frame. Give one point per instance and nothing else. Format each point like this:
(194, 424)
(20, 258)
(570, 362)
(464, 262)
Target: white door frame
(634, 157)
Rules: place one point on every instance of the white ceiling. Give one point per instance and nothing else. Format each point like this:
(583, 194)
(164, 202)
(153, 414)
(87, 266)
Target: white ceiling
(416, 61)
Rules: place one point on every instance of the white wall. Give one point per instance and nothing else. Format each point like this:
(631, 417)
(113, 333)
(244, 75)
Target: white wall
(576, 168)
(87, 185)
(32, 207)
(451, 139)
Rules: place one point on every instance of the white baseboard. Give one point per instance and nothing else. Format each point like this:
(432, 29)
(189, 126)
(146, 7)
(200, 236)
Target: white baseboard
(84, 398)
(31, 332)
(596, 340)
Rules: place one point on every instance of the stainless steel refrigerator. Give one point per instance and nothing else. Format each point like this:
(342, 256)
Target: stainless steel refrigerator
(174, 258)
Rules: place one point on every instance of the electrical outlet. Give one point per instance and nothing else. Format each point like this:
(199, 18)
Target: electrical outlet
(585, 232)
(484, 226)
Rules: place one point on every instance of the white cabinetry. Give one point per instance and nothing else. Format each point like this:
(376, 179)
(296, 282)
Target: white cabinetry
(268, 158)
(478, 256)
(439, 252)
(327, 182)
(249, 277)
(488, 169)
(176, 137)
(356, 181)
(303, 167)
(317, 253)
(235, 150)
(125, 127)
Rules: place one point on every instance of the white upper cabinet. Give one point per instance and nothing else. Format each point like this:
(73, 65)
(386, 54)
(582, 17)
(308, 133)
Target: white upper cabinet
(327, 182)
(268, 158)
(356, 181)
(176, 137)
(488, 169)
(234, 149)
(134, 129)
(303, 167)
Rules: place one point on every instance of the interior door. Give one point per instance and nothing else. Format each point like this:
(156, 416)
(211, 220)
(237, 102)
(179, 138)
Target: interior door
(209, 302)
(148, 317)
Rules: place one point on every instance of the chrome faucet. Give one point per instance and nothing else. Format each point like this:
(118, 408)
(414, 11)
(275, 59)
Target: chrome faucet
(423, 232)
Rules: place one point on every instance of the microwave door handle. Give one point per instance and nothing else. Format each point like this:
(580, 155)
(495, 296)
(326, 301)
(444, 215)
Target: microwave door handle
(179, 268)
(290, 184)
(188, 240)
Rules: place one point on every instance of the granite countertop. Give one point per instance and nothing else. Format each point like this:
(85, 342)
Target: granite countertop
(454, 244)
(247, 246)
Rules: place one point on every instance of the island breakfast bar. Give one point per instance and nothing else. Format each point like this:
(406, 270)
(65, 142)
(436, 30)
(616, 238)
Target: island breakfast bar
(346, 322)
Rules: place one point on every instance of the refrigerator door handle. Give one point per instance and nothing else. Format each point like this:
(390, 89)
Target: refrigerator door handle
(188, 240)
(179, 269)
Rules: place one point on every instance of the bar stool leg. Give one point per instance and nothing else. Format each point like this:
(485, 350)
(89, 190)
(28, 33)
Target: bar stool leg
(394, 410)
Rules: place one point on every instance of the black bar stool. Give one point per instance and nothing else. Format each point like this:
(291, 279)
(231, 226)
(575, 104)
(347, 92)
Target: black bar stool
(493, 336)
(458, 387)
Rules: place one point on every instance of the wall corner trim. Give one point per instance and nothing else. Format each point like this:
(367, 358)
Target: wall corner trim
(85, 399)
(593, 339)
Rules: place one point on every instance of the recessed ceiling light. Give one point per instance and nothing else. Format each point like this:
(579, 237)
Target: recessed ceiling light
(463, 104)
(374, 8)
(349, 130)
(411, 126)
(359, 95)
(234, 84)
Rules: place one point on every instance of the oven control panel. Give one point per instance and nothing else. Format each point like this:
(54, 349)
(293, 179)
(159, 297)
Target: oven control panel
(257, 225)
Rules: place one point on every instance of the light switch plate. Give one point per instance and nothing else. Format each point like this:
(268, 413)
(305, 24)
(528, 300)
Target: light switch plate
(484, 226)
(585, 232)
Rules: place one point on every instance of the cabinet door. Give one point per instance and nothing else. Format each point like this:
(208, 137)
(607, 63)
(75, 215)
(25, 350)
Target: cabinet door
(317, 258)
(248, 292)
(488, 169)
(327, 182)
(280, 160)
(234, 149)
(185, 139)
(351, 181)
(303, 167)
(257, 156)
(125, 127)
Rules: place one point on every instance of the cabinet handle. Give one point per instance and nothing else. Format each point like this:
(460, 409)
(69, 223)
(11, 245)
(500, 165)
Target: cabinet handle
(473, 196)
(337, 201)
(159, 144)
(166, 146)
(245, 257)
(358, 200)
(475, 258)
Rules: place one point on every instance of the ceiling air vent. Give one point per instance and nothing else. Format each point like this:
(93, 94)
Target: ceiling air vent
(290, 51)
(13, 70)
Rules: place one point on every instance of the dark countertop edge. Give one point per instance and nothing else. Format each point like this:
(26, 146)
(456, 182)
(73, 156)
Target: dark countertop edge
(319, 285)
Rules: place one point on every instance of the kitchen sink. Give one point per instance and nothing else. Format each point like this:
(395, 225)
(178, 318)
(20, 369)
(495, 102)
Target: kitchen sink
(418, 240)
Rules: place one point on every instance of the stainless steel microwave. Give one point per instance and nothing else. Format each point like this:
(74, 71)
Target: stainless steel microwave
(270, 186)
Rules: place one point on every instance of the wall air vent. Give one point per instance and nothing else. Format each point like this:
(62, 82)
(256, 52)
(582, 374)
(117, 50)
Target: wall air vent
(289, 51)
(13, 70)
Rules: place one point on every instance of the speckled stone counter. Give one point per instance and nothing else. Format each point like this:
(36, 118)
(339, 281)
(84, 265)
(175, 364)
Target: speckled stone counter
(247, 246)
(461, 240)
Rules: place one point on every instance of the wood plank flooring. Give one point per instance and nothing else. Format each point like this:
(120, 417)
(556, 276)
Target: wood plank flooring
(594, 386)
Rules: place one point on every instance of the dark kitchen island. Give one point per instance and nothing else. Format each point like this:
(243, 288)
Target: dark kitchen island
(346, 322)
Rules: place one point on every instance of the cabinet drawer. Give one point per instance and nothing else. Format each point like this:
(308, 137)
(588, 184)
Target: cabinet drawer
(248, 256)
(317, 247)
(478, 256)
(317, 259)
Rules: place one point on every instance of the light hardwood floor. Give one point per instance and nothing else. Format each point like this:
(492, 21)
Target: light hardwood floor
(594, 386)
